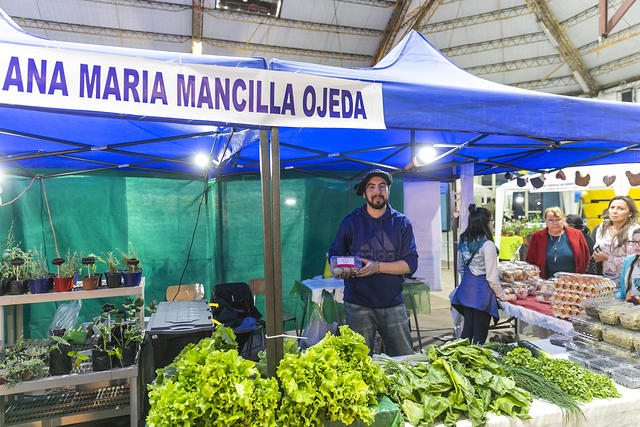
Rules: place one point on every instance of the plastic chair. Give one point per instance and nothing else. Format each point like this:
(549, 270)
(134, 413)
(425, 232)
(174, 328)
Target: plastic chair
(257, 288)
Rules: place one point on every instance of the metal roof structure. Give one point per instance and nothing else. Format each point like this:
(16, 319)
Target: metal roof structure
(548, 45)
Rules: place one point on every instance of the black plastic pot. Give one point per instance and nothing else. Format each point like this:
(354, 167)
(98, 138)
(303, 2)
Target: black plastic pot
(114, 280)
(101, 361)
(18, 287)
(129, 353)
(40, 286)
(5, 282)
(60, 362)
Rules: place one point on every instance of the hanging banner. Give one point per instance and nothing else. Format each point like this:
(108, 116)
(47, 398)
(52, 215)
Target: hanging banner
(100, 83)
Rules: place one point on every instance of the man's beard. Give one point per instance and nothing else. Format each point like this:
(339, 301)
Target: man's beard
(379, 202)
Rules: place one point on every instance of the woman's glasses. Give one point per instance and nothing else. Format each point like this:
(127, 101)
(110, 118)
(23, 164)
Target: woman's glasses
(635, 242)
(554, 220)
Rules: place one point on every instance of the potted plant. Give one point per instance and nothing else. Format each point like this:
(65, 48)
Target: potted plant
(60, 362)
(19, 285)
(13, 267)
(133, 272)
(131, 339)
(113, 273)
(40, 280)
(105, 356)
(92, 280)
(67, 270)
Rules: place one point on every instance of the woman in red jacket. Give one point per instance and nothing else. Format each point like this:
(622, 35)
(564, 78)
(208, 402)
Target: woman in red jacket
(557, 247)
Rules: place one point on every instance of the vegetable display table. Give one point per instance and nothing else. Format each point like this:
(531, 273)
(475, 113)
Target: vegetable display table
(14, 304)
(528, 313)
(620, 412)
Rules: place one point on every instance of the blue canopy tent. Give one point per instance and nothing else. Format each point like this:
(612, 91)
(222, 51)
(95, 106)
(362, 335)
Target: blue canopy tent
(80, 141)
(428, 100)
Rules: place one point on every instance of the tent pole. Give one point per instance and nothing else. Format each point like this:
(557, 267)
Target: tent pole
(268, 252)
(276, 298)
(454, 231)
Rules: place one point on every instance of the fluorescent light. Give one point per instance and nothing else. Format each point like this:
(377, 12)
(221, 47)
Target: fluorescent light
(290, 201)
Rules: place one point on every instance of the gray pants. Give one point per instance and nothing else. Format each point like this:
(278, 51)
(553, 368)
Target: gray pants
(392, 323)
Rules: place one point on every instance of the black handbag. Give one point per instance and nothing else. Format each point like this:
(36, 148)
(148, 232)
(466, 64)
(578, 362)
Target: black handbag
(594, 267)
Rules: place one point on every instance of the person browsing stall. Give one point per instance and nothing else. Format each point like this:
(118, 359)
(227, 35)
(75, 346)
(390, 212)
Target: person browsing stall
(630, 275)
(557, 248)
(614, 236)
(383, 238)
(475, 297)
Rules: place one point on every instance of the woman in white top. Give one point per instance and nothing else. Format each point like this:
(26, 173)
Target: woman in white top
(475, 297)
(613, 240)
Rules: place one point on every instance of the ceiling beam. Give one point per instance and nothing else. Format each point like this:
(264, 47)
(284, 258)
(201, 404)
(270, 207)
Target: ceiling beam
(496, 15)
(391, 29)
(519, 39)
(178, 38)
(606, 25)
(559, 39)
(197, 20)
(253, 17)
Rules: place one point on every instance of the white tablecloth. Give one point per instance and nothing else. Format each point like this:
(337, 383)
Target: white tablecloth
(560, 326)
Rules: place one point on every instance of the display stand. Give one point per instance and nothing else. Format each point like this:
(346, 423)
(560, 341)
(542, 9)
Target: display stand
(68, 407)
(14, 304)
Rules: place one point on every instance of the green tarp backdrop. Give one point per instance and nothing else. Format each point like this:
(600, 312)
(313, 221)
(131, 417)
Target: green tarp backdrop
(98, 213)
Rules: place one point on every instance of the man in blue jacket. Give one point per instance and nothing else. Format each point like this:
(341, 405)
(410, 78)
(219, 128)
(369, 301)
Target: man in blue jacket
(383, 238)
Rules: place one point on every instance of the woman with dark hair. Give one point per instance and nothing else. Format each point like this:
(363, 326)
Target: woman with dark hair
(557, 248)
(575, 221)
(475, 297)
(630, 276)
(614, 236)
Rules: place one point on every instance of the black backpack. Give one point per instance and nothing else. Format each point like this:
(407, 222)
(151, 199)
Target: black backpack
(235, 302)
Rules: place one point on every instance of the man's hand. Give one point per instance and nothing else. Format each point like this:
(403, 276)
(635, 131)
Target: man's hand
(342, 273)
(369, 268)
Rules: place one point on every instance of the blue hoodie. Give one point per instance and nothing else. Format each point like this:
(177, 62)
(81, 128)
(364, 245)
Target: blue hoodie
(385, 239)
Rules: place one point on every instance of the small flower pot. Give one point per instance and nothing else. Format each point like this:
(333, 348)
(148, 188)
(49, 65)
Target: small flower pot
(90, 283)
(40, 286)
(132, 278)
(114, 279)
(18, 287)
(63, 284)
(129, 353)
(101, 361)
(60, 363)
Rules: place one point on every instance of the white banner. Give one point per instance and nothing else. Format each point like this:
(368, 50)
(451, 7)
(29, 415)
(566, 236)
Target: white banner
(94, 82)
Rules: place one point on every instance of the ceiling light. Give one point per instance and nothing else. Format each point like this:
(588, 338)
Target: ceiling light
(290, 201)
(519, 200)
(426, 155)
(202, 160)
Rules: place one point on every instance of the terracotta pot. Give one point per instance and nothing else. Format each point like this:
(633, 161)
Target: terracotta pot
(63, 284)
(89, 283)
